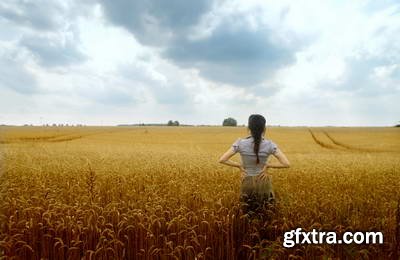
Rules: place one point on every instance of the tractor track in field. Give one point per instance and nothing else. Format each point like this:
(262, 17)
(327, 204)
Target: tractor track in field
(31, 139)
(339, 143)
(44, 139)
(349, 147)
(336, 145)
(54, 138)
(320, 143)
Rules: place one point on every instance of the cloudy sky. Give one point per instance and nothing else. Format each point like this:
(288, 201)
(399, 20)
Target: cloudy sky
(126, 61)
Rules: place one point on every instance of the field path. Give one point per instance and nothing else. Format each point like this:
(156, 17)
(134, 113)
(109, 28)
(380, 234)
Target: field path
(350, 147)
(60, 137)
(336, 145)
(320, 143)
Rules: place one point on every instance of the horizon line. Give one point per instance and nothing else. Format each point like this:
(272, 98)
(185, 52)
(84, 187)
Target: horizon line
(181, 125)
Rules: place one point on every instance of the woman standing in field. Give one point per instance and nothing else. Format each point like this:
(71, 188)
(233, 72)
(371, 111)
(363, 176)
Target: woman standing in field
(256, 187)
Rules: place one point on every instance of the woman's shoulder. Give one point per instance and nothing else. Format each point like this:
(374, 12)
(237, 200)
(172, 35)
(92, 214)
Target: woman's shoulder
(241, 141)
(249, 140)
(269, 145)
(244, 139)
(268, 142)
(265, 140)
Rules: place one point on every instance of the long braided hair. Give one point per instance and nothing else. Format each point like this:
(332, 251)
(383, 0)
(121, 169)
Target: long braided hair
(257, 126)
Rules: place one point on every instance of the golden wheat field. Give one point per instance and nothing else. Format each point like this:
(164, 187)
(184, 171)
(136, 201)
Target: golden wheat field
(159, 193)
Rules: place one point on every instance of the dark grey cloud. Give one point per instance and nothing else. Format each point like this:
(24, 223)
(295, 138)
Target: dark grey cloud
(154, 22)
(53, 52)
(238, 56)
(234, 53)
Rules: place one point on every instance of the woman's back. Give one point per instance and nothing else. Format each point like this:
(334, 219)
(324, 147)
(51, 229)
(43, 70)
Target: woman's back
(256, 187)
(245, 146)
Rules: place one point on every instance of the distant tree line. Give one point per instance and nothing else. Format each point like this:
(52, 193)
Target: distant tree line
(57, 125)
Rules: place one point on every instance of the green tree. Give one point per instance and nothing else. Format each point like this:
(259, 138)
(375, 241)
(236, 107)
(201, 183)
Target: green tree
(229, 122)
(173, 123)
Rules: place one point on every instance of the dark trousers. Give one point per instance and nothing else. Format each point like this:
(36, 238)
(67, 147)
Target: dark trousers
(255, 193)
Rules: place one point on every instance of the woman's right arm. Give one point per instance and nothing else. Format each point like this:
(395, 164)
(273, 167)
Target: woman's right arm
(284, 162)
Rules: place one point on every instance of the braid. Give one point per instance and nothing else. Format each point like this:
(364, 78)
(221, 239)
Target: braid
(257, 147)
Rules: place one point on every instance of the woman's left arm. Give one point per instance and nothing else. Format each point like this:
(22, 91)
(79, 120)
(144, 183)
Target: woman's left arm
(284, 163)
